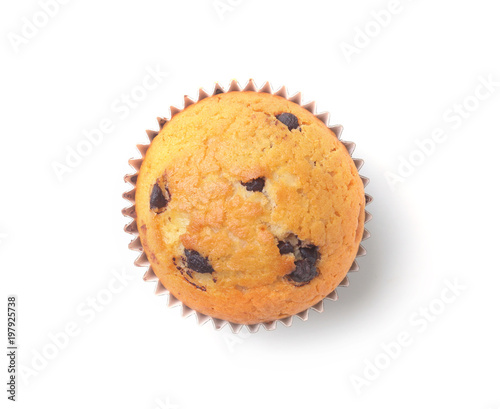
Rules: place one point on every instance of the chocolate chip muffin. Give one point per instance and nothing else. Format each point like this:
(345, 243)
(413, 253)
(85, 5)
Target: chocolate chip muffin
(249, 208)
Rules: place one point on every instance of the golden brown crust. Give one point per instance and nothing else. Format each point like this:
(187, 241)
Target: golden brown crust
(312, 190)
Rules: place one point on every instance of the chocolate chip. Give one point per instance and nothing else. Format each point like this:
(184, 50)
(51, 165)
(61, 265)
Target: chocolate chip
(218, 91)
(158, 201)
(304, 272)
(289, 120)
(199, 287)
(285, 247)
(310, 253)
(198, 263)
(255, 185)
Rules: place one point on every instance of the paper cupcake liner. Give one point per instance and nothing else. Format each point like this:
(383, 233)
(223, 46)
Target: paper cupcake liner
(135, 244)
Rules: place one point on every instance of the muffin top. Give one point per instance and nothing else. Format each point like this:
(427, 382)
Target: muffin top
(249, 208)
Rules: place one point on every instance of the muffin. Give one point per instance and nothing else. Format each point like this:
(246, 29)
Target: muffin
(248, 207)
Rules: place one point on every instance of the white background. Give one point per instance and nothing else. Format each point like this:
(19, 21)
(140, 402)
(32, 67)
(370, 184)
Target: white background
(61, 238)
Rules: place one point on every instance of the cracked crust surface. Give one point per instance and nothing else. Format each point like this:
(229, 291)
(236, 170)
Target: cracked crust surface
(312, 190)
